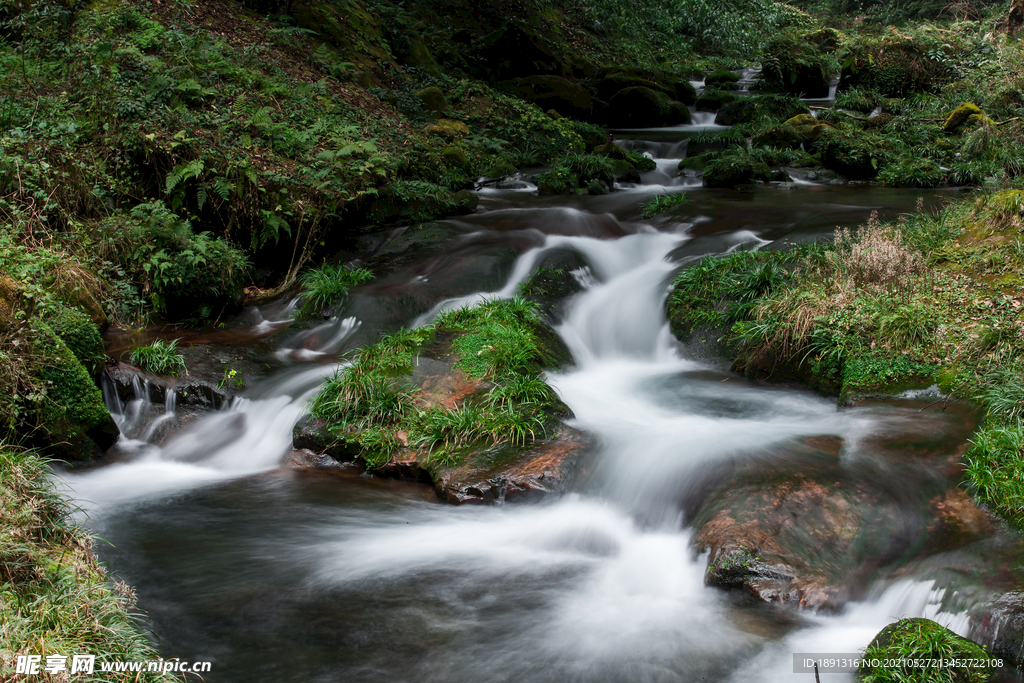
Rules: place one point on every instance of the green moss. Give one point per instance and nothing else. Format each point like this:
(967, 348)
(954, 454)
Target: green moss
(81, 336)
(733, 169)
(958, 116)
(69, 385)
(884, 373)
(721, 76)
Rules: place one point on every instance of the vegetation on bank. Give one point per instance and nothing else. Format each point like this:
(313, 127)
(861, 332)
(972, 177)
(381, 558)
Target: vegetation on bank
(501, 347)
(56, 599)
(929, 298)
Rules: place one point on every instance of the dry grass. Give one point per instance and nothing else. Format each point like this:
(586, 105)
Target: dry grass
(874, 258)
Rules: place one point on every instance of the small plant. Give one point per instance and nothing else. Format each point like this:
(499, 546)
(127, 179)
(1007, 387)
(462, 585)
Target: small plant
(660, 203)
(230, 377)
(160, 357)
(329, 284)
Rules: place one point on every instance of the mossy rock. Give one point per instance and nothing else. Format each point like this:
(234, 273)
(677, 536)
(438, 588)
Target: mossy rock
(771, 108)
(433, 99)
(692, 163)
(713, 99)
(721, 76)
(463, 202)
(80, 335)
(878, 373)
(854, 154)
(807, 127)
(958, 116)
(731, 170)
(876, 122)
(10, 299)
(449, 129)
(566, 97)
(610, 149)
(783, 137)
(455, 157)
(74, 423)
(596, 188)
(922, 639)
(643, 107)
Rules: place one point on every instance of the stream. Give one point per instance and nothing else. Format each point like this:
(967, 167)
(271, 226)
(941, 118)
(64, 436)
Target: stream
(278, 575)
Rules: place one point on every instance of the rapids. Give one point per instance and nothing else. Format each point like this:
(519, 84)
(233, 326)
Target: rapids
(281, 576)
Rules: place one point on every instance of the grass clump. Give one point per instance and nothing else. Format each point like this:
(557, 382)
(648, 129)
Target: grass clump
(160, 357)
(329, 284)
(923, 644)
(659, 203)
(56, 597)
(376, 404)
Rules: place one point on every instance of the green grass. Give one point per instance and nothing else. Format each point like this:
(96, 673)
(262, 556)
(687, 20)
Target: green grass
(160, 357)
(922, 644)
(329, 284)
(54, 597)
(371, 402)
(659, 203)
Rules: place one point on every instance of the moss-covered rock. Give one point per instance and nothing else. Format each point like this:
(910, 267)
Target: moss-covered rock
(720, 76)
(807, 127)
(456, 399)
(927, 642)
(566, 97)
(644, 107)
(959, 116)
(80, 335)
(74, 423)
(433, 99)
(783, 136)
(449, 129)
(712, 99)
(771, 108)
(855, 154)
(733, 170)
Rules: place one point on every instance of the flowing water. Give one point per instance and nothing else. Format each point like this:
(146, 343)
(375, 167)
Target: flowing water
(275, 575)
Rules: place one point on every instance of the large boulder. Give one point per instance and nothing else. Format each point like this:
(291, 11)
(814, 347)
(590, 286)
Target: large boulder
(567, 97)
(643, 107)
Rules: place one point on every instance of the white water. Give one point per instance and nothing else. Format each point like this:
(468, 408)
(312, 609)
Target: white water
(637, 606)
